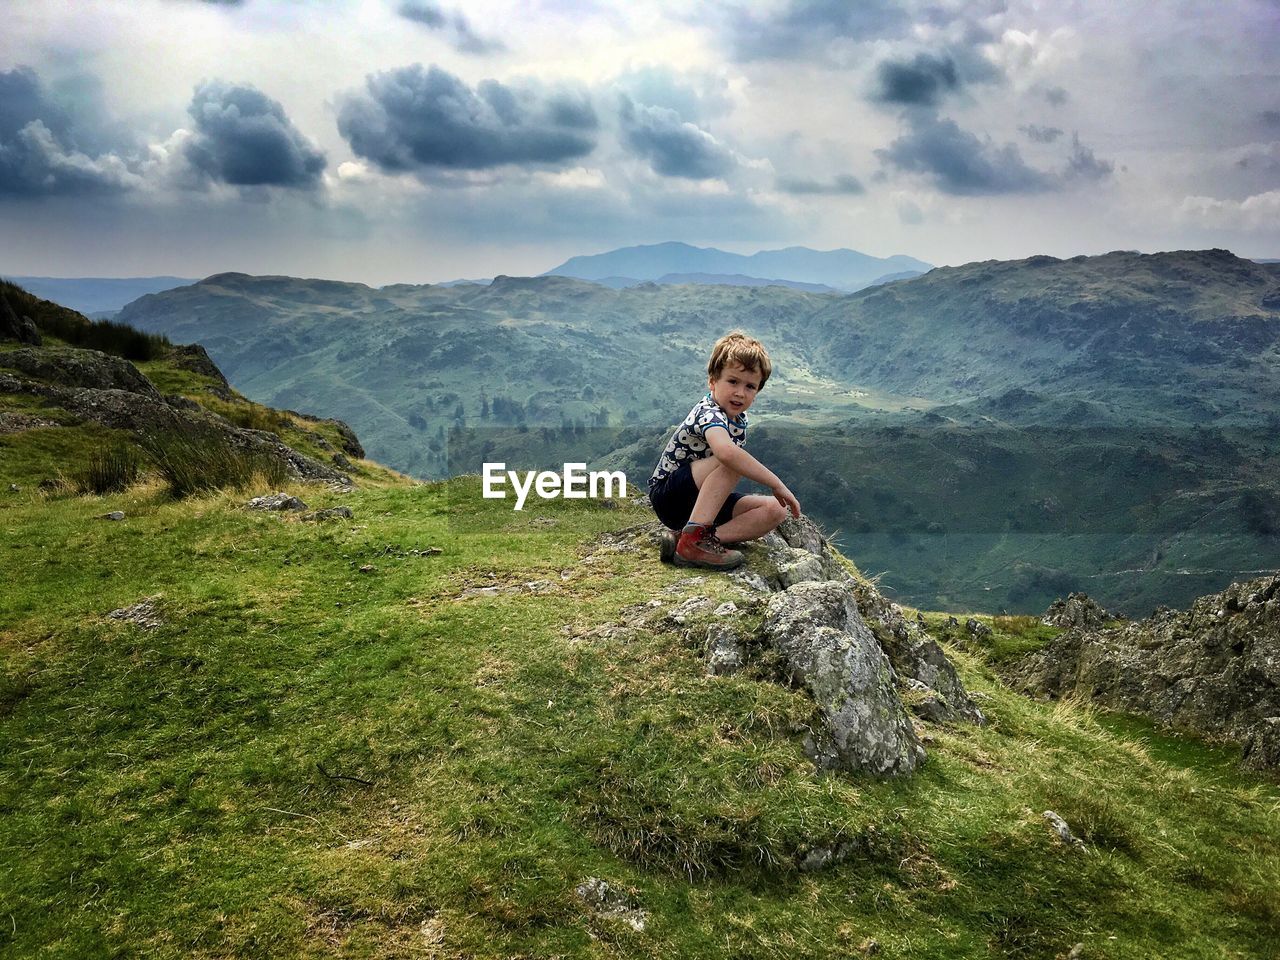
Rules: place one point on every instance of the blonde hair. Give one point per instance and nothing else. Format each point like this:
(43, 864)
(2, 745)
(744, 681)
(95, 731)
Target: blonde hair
(747, 352)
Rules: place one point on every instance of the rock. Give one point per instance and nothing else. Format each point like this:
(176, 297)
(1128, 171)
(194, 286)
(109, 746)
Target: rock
(829, 650)
(144, 614)
(14, 488)
(1078, 610)
(332, 513)
(1076, 952)
(13, 327)
(725, 609)
(1262, 748)
(926, 704)
(113, 515)
(605, 900)
(81, 368)
(195, 358)
(977, 629)
(368, 568)
(276, 501)
(13, 421)
(749, 580)
(339, 460)
(1212, 670)
(682, 613)
(1059, 826)
(726, 653)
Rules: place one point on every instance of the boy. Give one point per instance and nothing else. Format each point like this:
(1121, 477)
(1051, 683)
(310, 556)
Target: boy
(692, 486)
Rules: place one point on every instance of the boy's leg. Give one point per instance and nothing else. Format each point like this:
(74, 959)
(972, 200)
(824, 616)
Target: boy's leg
(753, 517)
(715, 482)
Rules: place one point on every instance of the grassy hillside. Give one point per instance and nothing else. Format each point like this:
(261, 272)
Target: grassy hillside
(411, 734)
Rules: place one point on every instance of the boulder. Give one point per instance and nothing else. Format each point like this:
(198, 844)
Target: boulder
(1212, 670)
(828, 649)
(1078, 610)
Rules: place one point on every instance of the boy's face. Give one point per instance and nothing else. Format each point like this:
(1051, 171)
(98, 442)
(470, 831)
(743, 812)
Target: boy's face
(736, 388)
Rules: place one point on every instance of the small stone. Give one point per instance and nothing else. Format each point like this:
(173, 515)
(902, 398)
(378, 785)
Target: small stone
(144, 614)
(605, 900)
(333, 513)
(870, 947)
(1076, 952)
(113, 515)
(1059, 826)
(368, 568)
(725, 651)
(276, 501)
(725, 609)
(14, 488)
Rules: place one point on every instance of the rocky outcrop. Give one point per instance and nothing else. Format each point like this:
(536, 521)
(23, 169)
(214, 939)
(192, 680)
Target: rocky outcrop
(195, 358)
(81, 368)
(1212, 670)
(1079, 610)
(828, 649)
(113, 392)
(799, 553)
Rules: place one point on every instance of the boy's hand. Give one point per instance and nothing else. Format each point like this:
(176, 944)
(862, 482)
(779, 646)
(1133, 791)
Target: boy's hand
(787, 499)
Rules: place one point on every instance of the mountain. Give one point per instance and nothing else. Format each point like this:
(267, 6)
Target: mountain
(99, 295)
(839, 269)
(1106, 424)
(405, 720)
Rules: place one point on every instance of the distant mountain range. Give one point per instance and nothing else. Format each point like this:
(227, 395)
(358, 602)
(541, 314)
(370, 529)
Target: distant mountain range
(846, 270)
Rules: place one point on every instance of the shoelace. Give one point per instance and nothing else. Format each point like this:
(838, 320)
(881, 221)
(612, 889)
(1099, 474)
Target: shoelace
(709, 541)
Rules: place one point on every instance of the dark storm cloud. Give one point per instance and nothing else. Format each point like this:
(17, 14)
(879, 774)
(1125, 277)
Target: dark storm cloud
(921, 81)
(804, 26)
(673, 147)
(960, 163)
(412, 119)
(46, 151)
(451, 24)
(1040, 134)
(1083, 165)
(243, 138)
(1056, 96)
(844, 184)
(1270, 118)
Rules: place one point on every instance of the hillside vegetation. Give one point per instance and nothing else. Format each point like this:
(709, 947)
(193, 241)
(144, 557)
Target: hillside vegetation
(425, 731)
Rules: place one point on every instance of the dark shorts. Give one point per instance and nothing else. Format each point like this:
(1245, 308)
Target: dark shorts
(675, 494)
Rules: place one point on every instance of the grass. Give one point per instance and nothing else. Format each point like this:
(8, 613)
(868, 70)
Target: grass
(308, 760)
(332, 747)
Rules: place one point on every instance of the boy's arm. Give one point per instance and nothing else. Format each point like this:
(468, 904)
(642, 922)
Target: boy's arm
(738, 460)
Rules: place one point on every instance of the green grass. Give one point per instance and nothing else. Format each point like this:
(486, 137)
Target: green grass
(313, 759)
(184, 791)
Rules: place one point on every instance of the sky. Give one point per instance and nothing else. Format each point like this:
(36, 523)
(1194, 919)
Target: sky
(416, 141)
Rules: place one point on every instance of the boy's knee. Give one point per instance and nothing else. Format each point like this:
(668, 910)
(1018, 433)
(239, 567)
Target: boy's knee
(777, 513)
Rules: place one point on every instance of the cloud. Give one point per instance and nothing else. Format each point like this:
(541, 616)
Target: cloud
(243, 138)
(843, 184)
(1056, 96)
(45, 151)
(414, 119)
(1270, 118)
(1039, 134)
(1258, 212)
(1083, 165)
(803, 27)
(452, 24)
(960, 163)
(694, 96)
(922, 81)
(673, 147)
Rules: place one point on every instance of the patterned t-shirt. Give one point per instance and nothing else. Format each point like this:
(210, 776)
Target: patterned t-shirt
(689, 442)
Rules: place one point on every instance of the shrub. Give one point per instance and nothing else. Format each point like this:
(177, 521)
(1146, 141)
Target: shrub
(109, 470)
(196, 460)
(78, 330)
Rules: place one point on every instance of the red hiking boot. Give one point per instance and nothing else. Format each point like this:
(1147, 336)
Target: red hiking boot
(701, 547)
